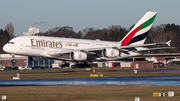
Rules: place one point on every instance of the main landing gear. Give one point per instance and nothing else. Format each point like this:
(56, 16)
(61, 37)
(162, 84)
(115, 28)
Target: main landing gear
(75, 64)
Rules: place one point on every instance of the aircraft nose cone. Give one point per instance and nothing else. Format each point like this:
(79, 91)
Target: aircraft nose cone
(5, 48)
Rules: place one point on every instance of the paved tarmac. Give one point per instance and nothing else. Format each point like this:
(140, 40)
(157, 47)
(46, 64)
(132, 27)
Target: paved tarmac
(130, 80)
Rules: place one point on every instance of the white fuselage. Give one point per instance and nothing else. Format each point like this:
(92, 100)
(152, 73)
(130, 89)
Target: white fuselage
(40, 45)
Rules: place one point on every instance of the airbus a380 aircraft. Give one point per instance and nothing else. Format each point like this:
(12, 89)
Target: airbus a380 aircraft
(70, 49)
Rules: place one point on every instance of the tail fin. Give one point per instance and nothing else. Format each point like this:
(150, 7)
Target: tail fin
(138, 34)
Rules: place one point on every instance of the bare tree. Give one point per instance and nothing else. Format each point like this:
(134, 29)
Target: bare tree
(10, 29)
(157, 34)
(4, 38)
(86, 30)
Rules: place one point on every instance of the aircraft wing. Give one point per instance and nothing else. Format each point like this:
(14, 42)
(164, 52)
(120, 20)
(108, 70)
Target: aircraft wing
(90, 51)
(132, 47)
(144, 45)
(121, 48)
(94, 53)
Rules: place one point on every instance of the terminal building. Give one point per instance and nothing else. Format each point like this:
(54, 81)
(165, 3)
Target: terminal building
(31, 31)
(47, 63)
(8, 60)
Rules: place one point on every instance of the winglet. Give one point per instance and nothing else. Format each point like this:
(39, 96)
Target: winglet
(168, 43)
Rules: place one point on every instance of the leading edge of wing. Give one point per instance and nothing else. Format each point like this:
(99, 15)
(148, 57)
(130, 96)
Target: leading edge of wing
(90, 50)
(121, 48)
(144, 45)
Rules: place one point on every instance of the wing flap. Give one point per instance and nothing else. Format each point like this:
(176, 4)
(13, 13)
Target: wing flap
(152, 49)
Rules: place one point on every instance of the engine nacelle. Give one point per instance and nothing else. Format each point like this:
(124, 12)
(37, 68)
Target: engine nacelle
(78, 56)
(108, 52)
(36, 58)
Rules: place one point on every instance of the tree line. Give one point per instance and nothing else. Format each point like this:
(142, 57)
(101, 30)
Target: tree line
(6, 35)
(113, 33)
(4, 38)
(159, 33)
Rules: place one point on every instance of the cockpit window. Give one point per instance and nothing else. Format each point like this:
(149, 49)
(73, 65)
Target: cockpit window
(10, 42)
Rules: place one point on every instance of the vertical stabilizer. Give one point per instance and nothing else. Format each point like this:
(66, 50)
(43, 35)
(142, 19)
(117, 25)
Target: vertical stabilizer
(138, 34)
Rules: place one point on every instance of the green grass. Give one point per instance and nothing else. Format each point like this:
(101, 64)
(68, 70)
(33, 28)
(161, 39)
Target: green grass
(85, 92)
(77, 73)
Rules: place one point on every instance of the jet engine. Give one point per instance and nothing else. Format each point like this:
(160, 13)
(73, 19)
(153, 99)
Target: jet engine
(78, 56)
(109, 52)
(36, 58)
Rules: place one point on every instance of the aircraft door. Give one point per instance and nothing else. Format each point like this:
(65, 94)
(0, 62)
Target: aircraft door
(21, 46)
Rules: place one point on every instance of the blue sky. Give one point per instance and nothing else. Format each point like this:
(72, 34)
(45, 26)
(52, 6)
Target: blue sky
(81, 14)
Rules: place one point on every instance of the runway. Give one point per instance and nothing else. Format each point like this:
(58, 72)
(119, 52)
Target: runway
(130, 80)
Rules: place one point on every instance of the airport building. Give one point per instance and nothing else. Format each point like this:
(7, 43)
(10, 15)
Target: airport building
(31, 31)
(9, 60)
(47, 63)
